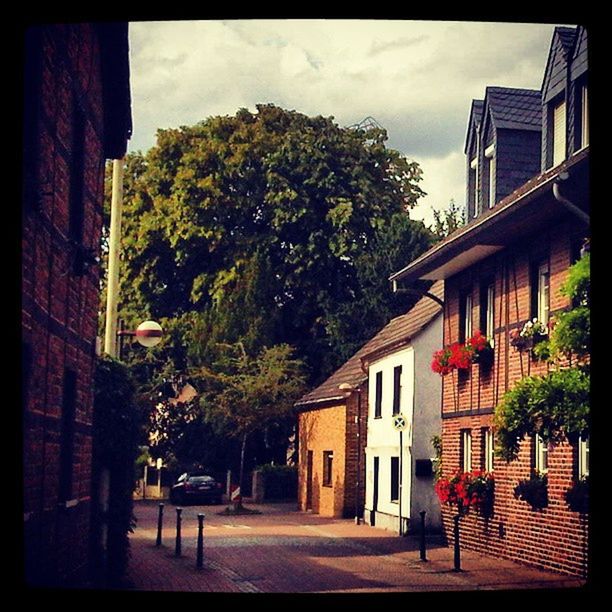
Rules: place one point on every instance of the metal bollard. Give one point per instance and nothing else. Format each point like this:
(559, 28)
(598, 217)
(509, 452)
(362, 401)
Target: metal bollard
(160, 519)
(200, 557)
(177, 548)
(457, 548)
(423, 551)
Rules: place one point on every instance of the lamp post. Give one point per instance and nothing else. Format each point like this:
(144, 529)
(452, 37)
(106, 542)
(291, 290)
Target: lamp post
(357, 388)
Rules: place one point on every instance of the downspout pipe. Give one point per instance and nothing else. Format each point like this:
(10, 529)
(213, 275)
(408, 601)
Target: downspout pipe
(563, 176)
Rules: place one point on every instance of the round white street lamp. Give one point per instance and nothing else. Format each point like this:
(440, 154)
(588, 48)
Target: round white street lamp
(149, 334)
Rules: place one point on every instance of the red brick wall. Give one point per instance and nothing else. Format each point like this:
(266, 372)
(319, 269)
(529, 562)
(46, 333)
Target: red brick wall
(555, 537)
(320, 430)
(334, 428)
(59, 307)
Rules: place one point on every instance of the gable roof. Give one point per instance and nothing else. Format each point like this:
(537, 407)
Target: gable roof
(512, 108)
(563, 41)
(567, 37)
(399, 330)
(473, 122)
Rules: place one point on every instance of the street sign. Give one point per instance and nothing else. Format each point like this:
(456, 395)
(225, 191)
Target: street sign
(235, 494)
(400, 422)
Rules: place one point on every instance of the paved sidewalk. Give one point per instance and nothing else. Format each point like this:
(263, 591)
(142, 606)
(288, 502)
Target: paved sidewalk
(285, 551)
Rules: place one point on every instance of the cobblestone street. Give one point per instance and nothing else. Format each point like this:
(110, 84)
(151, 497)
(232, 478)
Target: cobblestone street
(285, 551)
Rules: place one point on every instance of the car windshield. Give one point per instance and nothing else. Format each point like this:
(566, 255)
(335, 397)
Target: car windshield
(198, 479)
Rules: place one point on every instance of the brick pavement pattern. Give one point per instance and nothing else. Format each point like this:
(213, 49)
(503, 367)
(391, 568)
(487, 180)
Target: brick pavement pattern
(282, 550)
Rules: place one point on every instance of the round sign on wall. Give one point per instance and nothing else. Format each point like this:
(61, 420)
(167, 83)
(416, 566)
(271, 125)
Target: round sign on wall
(400, 422)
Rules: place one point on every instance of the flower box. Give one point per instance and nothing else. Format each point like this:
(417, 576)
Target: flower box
(467, 490)
(534, 491)
(577, 496)
(532, 333)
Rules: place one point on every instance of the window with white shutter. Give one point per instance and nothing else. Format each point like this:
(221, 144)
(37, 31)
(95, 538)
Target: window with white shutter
(559, 133)
(584, 127)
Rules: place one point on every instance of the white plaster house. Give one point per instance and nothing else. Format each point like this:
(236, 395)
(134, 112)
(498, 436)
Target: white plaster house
(399, 482)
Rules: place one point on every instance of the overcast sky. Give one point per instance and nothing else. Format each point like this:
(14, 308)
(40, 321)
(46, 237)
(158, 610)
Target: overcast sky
(416, 78)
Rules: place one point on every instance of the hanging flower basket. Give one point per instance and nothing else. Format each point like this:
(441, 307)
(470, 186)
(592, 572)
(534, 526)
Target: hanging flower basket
(441, 363)
(577, 496)
(532, 333)
(482, 350)
(467, 490)
(534, 491)
(458, 356)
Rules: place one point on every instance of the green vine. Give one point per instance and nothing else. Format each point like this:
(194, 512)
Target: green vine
(557, 405)
(116, 429)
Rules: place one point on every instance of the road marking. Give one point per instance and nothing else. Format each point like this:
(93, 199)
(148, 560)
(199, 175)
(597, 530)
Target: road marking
(237, 526)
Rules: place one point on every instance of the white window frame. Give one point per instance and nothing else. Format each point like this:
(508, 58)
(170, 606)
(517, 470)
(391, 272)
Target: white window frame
(540, 455)
(474, 167)
(584, 126)
(490, 156)
(466, 450)
(583, 457)
(559, 132)
(489, 446)
(543, 313)
(467, 322)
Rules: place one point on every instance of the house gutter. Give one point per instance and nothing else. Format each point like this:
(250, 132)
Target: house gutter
(483, 223)
(563, 176)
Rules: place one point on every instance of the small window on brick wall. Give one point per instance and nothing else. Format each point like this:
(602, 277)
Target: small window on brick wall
(466, 450)
(583, 457)
(67, 435)
(465, 314)
(487, 309)
(540, 291)
(328, 464)
(487, 448)
(540, 455)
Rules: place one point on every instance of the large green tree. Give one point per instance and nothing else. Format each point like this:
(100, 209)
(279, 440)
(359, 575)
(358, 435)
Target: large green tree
(270, 227)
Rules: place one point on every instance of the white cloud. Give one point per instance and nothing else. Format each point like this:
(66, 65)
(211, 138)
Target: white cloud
(416, 78)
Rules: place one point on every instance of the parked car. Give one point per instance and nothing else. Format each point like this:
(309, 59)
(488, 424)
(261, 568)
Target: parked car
(196, 487)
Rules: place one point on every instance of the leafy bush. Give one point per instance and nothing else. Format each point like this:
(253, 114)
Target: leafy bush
(554, 406)
(280, 481)
(116, 437)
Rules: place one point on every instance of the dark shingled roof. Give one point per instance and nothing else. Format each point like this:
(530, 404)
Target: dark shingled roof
(397, 331)
(512, 108)
(567, 37)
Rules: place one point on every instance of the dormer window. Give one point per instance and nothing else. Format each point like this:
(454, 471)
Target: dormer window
(559, 132)
(490, 169)
(584, 124)
(474, 185)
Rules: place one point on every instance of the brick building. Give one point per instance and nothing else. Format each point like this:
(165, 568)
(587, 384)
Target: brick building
(331, 437)
(501, 269)
(76, 115)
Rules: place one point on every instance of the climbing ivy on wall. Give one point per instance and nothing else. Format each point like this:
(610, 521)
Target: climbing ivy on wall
(556, 405)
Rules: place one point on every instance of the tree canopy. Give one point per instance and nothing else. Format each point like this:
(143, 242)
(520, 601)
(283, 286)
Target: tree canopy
(270, 227)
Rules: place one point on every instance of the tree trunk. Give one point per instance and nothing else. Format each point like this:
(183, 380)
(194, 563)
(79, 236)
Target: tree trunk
(241, 475)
